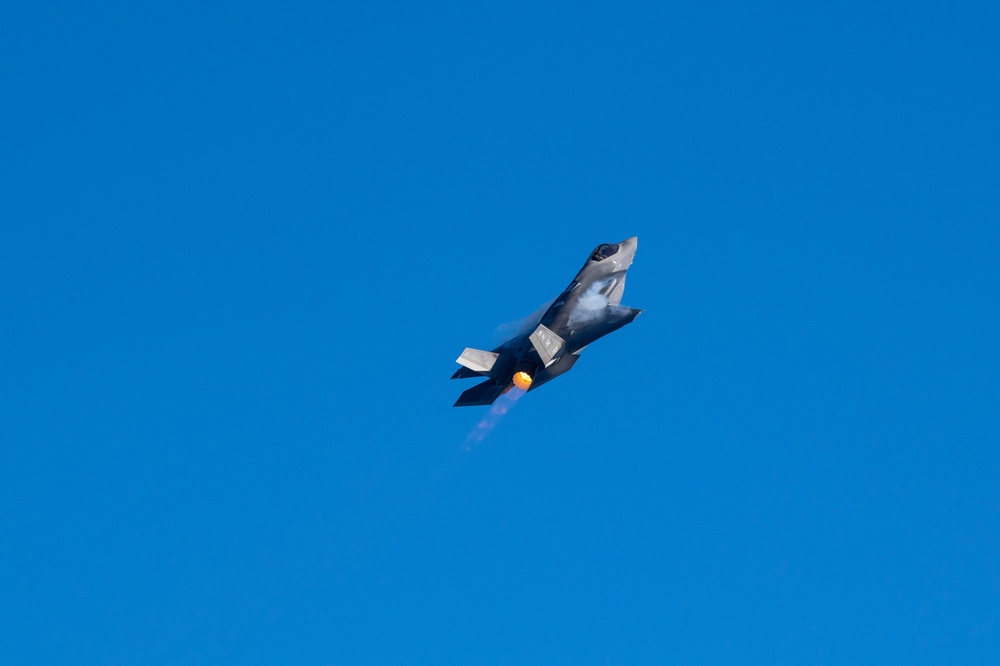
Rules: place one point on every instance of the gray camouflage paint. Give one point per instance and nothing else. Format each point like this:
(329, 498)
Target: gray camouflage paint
(588, 309)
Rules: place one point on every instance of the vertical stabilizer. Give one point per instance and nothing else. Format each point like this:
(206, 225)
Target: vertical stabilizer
(547, 344)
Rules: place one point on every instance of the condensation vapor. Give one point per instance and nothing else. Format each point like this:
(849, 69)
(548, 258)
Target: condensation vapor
(524, 326)
(591, 305)
(492, 418)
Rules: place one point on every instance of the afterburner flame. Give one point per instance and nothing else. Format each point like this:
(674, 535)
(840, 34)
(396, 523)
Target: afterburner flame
(522, 380)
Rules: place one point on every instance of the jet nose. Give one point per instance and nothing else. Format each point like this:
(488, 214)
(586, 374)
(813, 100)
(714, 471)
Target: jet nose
(631, 243)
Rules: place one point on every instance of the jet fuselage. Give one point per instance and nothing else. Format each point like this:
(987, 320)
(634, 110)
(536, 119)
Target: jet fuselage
(588, 309)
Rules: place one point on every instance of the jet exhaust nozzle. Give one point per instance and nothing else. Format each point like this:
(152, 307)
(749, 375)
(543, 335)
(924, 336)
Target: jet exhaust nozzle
(524, 373)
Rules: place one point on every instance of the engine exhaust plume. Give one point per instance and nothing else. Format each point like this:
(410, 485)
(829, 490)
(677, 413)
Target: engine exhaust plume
(492, 418)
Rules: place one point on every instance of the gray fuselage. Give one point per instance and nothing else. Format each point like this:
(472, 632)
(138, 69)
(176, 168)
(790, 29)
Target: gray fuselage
(588, 309)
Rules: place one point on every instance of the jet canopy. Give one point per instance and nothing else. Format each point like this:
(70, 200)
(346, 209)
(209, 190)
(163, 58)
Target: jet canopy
(604, 251)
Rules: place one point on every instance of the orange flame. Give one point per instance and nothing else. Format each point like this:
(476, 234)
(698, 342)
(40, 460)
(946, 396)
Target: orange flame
(522, 380)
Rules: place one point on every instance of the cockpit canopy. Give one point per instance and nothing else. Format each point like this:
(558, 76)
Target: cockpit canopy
(604, 251)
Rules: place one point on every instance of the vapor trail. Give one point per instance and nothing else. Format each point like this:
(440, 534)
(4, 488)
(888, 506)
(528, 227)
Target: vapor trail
(521, 326)
(492, 418)
(591, 304)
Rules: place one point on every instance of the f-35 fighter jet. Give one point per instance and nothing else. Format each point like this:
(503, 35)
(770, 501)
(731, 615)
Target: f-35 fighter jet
(587, 310)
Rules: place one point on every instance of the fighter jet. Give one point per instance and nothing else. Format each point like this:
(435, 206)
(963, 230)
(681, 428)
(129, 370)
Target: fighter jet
(588, 309)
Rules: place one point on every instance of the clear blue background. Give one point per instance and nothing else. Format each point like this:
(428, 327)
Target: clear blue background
(242, 244)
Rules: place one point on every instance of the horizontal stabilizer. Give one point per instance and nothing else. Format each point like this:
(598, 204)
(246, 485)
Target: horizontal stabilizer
(481, 394)
(477, 360)
(546, 343)
(564, 364)
(465, 373)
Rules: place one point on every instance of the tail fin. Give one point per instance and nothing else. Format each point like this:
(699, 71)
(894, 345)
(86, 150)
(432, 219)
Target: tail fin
(547, 344)
(477, 360)
(478, 363)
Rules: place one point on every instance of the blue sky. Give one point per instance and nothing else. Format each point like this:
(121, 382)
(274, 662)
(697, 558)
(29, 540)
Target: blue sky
(241, 245)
